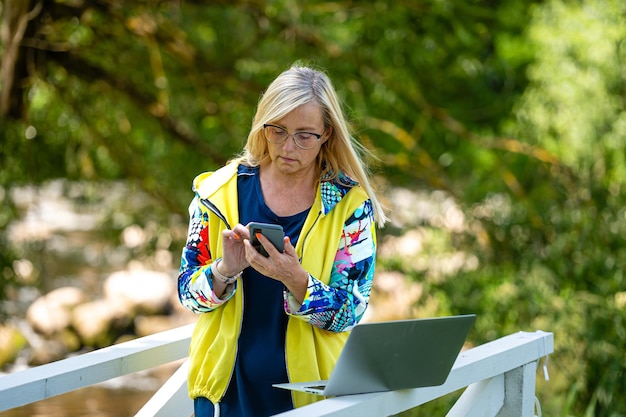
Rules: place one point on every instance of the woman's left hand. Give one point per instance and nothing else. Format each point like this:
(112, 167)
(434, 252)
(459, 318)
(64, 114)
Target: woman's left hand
(284, 267)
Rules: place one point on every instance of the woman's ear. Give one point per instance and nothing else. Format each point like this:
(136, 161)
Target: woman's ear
(327, 133)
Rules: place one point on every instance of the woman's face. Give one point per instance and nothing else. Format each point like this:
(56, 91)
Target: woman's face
(287, 157)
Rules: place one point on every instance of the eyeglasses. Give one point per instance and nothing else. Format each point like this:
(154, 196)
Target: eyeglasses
(278, 135)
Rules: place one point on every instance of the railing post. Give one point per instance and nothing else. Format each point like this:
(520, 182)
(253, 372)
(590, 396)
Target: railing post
(171, 399)
(480, 399)
(519, 392)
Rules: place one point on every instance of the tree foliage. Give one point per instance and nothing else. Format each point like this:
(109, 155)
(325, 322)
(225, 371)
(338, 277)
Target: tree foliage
(515, 109)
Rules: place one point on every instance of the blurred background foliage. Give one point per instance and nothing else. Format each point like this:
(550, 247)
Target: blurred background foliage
(514, 109)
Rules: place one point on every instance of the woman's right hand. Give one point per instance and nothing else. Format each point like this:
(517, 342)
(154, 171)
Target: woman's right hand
(233, 251)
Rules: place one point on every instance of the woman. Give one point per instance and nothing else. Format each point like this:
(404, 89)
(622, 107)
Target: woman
(266, 320)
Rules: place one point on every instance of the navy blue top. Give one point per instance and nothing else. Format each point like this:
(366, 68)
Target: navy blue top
(261, 351)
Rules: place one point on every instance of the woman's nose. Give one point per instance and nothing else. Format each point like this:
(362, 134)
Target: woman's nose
(290, 144)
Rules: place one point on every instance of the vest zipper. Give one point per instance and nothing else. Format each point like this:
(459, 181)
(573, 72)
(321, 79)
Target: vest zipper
(212, 208)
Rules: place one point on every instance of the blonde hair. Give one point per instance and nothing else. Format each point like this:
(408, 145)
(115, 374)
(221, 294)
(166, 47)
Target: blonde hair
(293, 88)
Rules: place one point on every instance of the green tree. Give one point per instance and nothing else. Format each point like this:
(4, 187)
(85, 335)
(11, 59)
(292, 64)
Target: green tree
(574, 107)
(513, 110)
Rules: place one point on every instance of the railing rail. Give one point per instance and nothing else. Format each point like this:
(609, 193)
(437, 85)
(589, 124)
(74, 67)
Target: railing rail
(499, 376)
(45, 381)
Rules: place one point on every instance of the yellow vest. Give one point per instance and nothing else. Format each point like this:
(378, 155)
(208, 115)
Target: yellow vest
(311, 352)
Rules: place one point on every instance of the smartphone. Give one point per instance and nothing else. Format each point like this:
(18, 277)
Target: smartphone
(274, 232)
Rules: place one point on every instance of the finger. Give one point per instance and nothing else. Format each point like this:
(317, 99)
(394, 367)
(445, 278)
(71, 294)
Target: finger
(250, 251)
(267, 244)
(242, 231)
(230, 234)
(289, 248)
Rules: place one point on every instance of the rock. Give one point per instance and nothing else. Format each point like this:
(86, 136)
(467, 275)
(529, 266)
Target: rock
(147, 325)
(145, 292)
(53, 349)
(12, 341)
(41, 349)
(52, 312)
(99, 323)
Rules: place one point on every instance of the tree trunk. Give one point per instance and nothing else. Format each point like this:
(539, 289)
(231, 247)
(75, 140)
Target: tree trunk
(15, 19)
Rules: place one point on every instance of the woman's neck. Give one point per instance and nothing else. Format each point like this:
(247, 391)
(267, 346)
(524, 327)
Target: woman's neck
(287, 195)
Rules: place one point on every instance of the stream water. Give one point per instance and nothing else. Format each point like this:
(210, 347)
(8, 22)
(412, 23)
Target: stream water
(88, 402)
(64, 243)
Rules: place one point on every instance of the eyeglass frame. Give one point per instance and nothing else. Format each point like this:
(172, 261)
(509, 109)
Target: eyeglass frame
(266, 125)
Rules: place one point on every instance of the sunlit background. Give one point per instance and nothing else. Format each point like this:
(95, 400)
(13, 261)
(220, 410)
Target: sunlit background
(498, 133)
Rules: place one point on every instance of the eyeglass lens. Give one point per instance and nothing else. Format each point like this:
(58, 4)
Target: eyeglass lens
(278, 135)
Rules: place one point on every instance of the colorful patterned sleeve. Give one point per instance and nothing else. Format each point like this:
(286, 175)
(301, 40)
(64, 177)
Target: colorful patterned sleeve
(341, 304)
(195, 279)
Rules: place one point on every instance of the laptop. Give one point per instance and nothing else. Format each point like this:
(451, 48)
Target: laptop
(393, 355)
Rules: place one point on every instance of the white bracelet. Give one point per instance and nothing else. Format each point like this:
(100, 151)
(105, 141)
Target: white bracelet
(220, 277)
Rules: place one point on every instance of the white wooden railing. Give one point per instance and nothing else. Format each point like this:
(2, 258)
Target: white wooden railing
(499, 376)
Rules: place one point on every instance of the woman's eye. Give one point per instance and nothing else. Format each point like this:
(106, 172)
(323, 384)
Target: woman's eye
(279, 132)
(304, 136)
